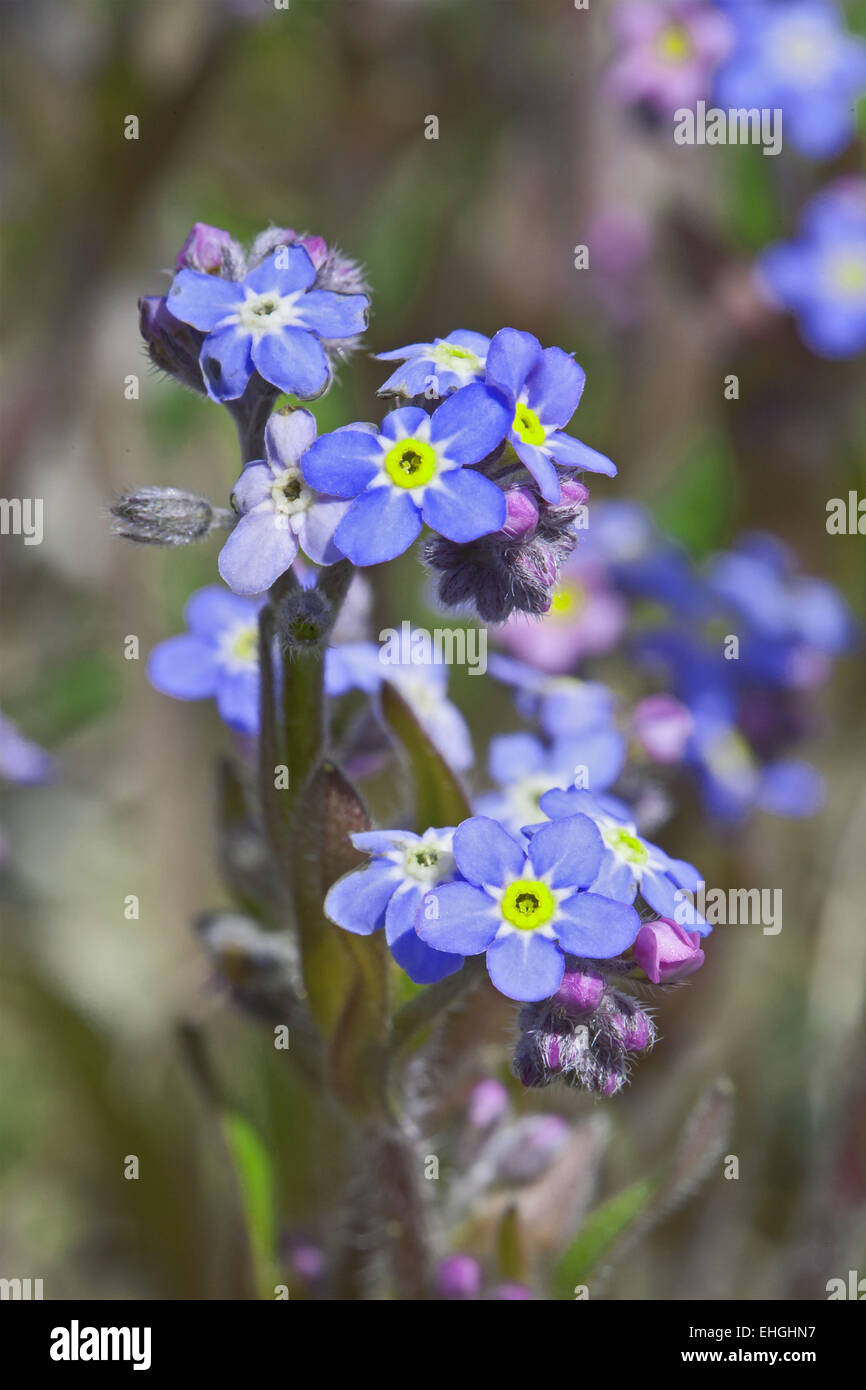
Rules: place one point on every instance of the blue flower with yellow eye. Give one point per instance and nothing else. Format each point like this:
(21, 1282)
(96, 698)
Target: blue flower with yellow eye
(415, 469)
(525, 908)
(218, 658)
(438, 368)
(543, 387)
(821, 275)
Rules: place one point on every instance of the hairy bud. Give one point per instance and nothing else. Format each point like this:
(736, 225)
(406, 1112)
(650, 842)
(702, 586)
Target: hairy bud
(172, 346)
(167, 516)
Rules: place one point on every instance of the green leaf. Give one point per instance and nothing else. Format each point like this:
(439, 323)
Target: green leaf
(602, 1228)
(697, 509)
(439, 796)
(254, 1173)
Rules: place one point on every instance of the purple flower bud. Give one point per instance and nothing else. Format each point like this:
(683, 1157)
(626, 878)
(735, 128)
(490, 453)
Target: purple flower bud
(509, 1291)
(581, 991)
(573, 494)
(663, 726)
(521, 513)
(635, 1030)
(203, 249)
(308, 1261)
(666, 951)
(316, 248)
(459, 1276)
(487, 1103)
(172, 346)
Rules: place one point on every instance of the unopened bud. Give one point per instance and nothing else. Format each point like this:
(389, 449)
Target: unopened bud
(204, 249)
(167, 516)
(459, 1277)
(172, 346)
(521, 513)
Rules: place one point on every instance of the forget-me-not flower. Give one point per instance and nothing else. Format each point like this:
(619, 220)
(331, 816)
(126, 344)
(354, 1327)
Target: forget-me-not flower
(280, 512)
(526, 907)
(218, 658)
(273, 322)
(388, 892)
(413, 470)
(438, 368)
(544, 387)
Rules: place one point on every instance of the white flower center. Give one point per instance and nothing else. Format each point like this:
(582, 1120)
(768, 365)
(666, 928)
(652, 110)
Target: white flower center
(429, 862)
(239, 647)
(804, 52)
(268, 312)
(290, 493)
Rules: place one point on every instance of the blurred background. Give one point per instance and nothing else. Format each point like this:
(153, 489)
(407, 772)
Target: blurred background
(314, 118)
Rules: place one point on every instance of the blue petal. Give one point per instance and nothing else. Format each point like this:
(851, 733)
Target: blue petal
(525, 965)
(402, 423)
(463, 505)
(294, 360)
(358, 900)
(600, 751)
(383, 841)
(570, 453)
(351, 666)
(513, 756)
(237, 700)
(615, 879)
(485, 853)
(334, 315)
(421, 962)
(660, 892)
(226, 363)
(791, 788)
(541, 468)
(298, 272)
(343, 463)
(567, 852)
(203, 300)
(257, 552)
(253, 486)
(457, 917)
(184, 667)
(400, 354)
(820, 126)
(470, 424)
(378, 526)
(510, 358)
(554, 387)
(288, 436)
(211, 610)
(594, 926)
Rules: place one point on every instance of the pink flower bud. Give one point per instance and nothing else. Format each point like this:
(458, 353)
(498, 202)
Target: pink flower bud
(459, 1276)
(521, 513)
(316, 248)
(203, 249)
(663, 727)
(580, 991)
(487, 1103)
(666, 951)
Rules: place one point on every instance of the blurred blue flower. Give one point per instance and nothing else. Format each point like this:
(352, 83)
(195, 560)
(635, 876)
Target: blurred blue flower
(562, 705)
(525, 769)
(798, 57)
(272, 322)
(21, 760)
(629, 864)
(388, 892)
(821, 276)
(526, 907)
(438, 368)
(412, 472)
(641, 562)
(218, 658)
(543, 387)
(279, 511)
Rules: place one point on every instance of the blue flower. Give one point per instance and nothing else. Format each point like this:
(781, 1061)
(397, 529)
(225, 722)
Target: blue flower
(629, 864)
(272, 322)
(758, 578)
(423, 685)
(389, 892)
(796, 56)
(640, 562)
(525, 769)
(279, 511)
(544, 388)
(438, 368)
(218, 658)
(21, 760)
(525, 908)
(563, 705)
(412, 471)
(821, 276)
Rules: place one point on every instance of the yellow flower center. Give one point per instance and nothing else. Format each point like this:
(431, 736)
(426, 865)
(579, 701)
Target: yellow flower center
(674, 44)
(848, 274)
(527, 426)
(528, 904)
(627, 846)
(568, 601)
(244, 646)
(411, 463)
